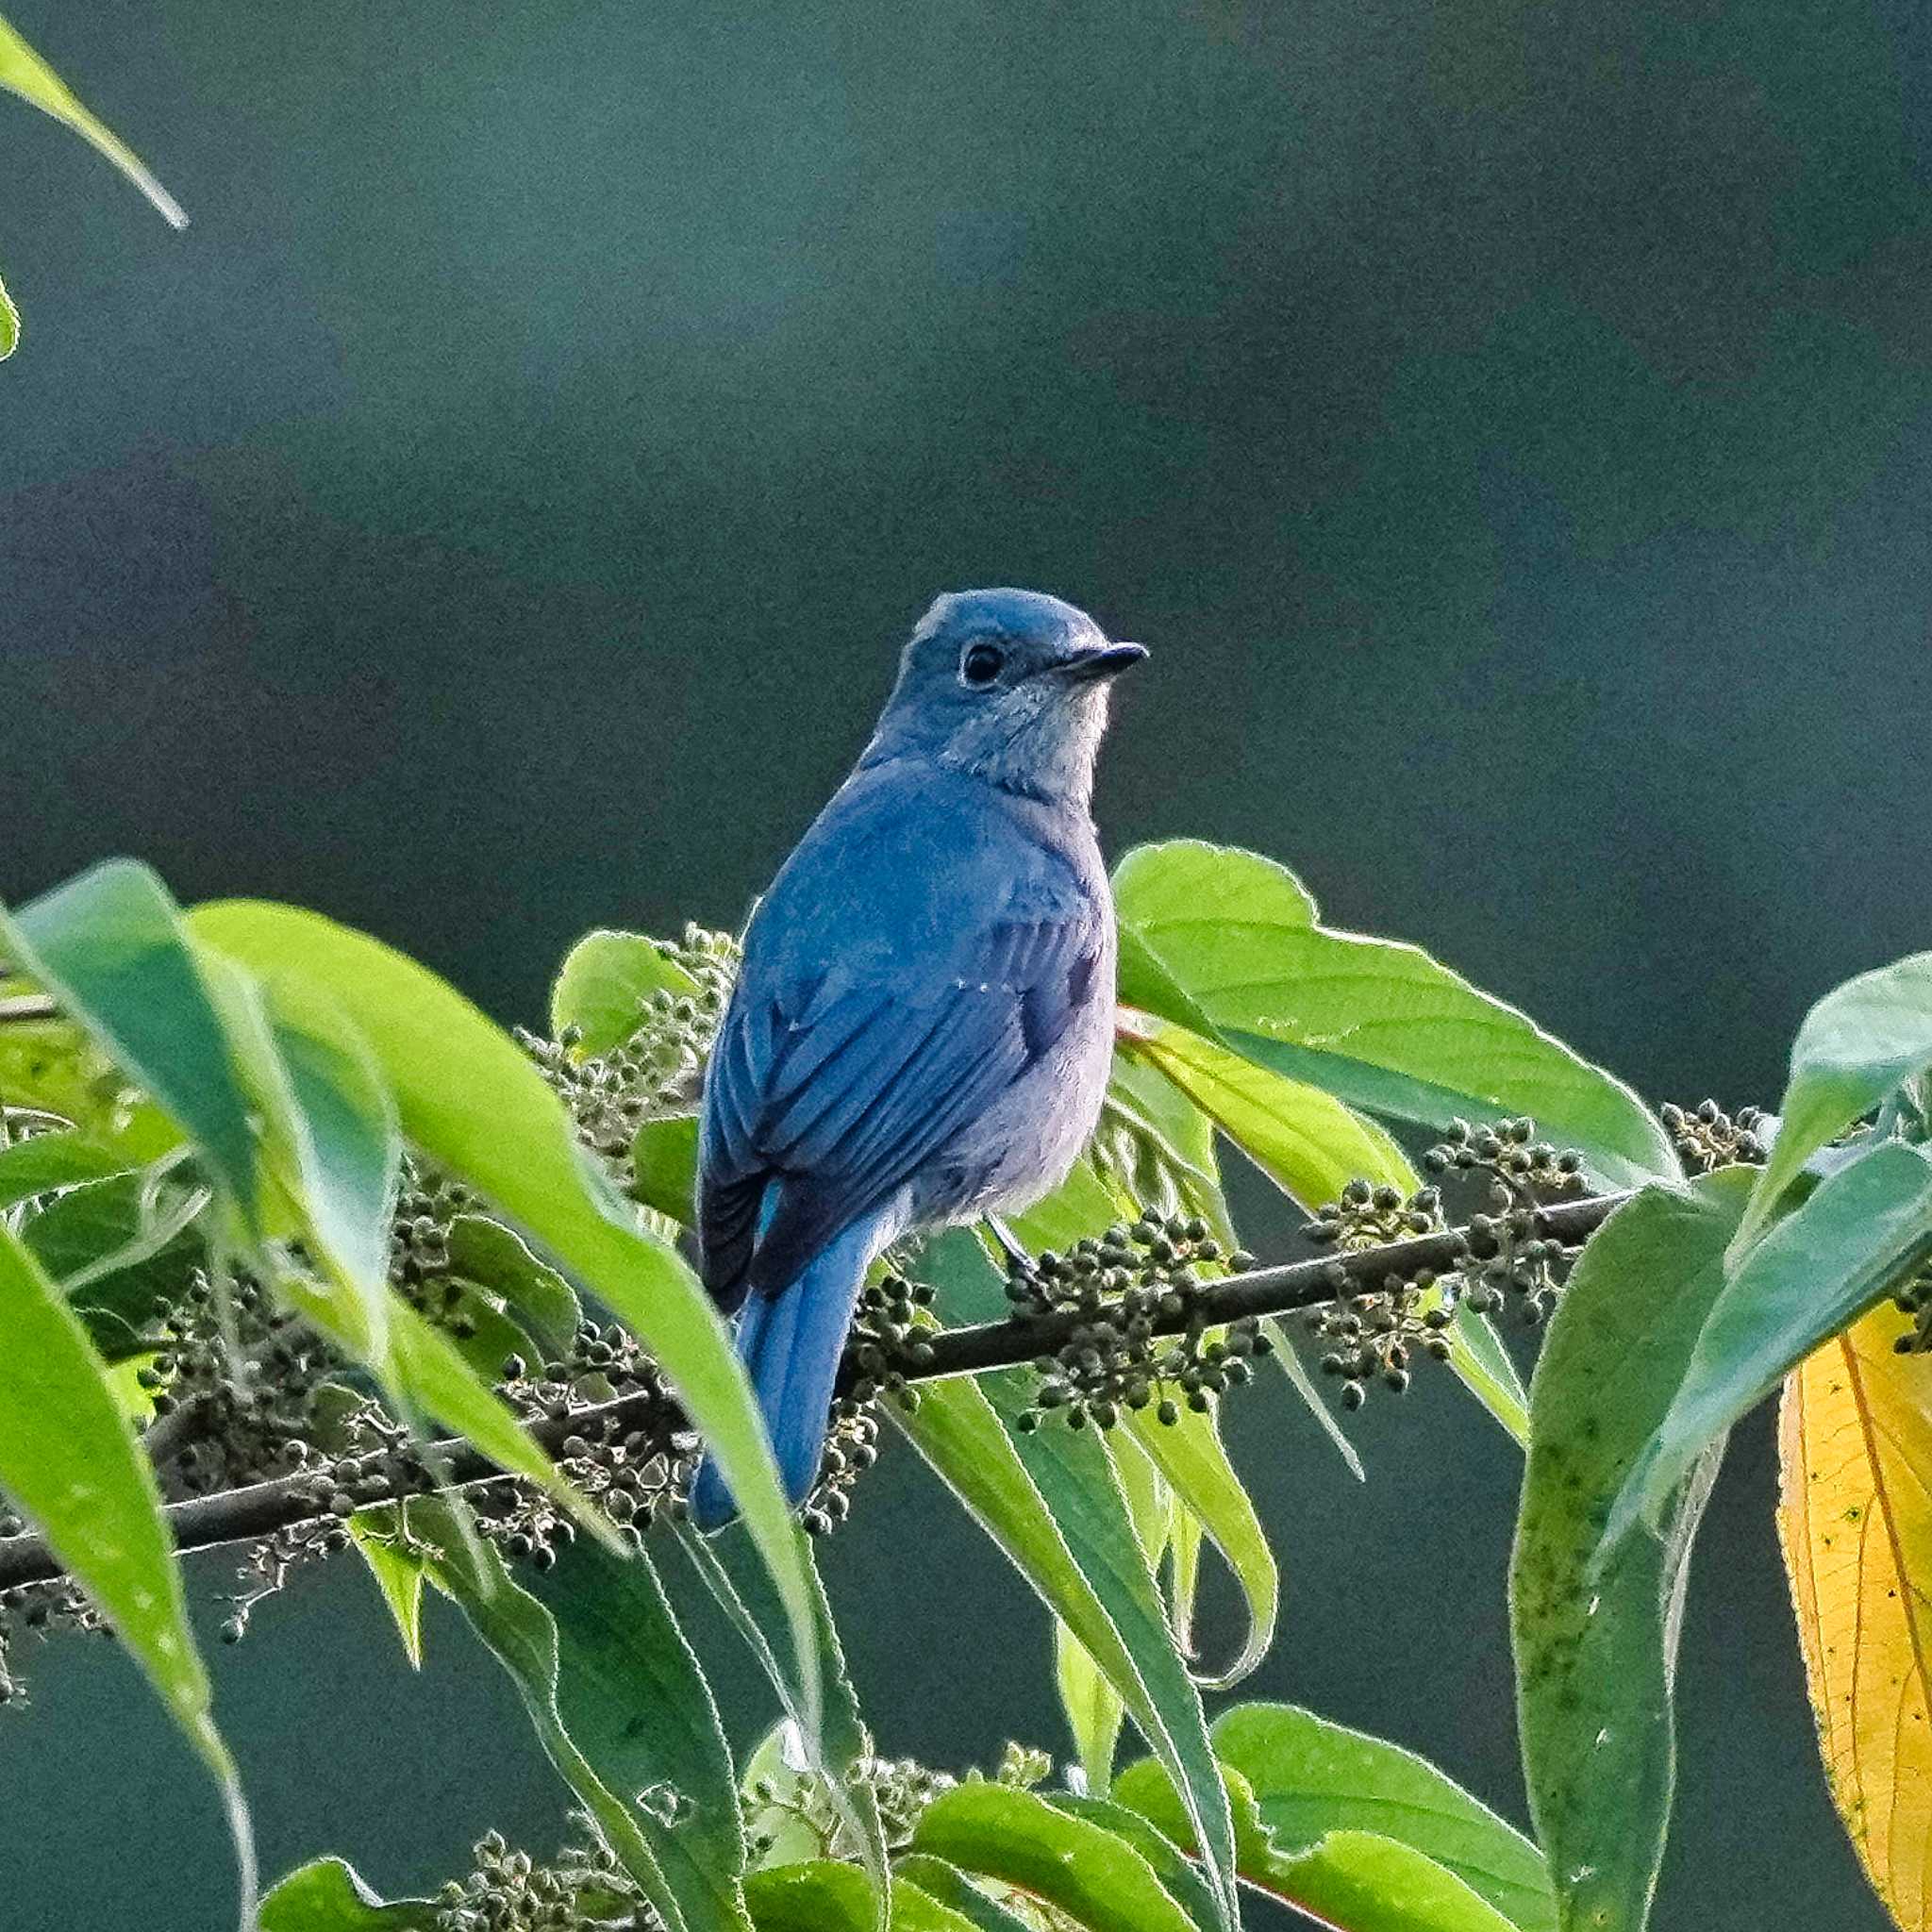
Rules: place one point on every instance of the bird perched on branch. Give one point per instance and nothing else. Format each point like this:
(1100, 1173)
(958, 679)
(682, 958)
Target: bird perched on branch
(921, 1028)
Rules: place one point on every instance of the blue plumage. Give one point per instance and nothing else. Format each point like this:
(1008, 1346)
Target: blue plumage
(921, 1025)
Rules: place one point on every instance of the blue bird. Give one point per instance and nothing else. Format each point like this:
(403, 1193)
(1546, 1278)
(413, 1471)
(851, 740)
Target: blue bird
(921, 1028)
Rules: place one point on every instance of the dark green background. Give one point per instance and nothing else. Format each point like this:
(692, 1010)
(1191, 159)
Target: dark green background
(1509, 424)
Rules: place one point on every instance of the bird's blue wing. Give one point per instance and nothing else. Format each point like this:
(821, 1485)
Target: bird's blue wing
(839, 1076)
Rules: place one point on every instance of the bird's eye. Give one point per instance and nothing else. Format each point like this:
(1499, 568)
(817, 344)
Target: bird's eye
(982, 664)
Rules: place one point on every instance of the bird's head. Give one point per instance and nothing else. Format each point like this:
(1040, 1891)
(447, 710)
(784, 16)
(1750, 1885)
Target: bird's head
(1010, 686)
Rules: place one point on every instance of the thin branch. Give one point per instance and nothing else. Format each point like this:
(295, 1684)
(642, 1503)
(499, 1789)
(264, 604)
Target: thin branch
(242, 1515)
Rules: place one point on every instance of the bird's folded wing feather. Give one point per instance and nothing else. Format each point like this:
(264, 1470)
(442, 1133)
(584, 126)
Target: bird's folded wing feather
(846, 1076)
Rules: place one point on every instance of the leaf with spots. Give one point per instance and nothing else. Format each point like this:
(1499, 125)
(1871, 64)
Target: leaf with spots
(1855, 1518)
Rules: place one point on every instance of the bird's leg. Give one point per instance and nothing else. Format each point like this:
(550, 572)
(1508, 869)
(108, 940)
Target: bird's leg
(1017, 1256)
(1023, 1286)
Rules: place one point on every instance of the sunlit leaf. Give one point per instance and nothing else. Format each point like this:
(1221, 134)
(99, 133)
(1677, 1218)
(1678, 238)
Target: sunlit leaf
(1854, 1517)
(469, 1097)
(664, 1163)
(605, 984)
(329, 1896)
(1049, 1501)
(1819, 1269)
(948, 1886)
(496, 1258)
(1311, 1778)
(1595, 1642)
(1350, 1880)
(1379, 1025)
(826, 1897)
(10, 325)
(1077, 1866)
(69, 1460)
(1856, 1045)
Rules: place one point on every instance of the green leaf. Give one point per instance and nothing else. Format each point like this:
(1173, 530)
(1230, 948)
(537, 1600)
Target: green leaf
(329, 1896)
(604, 986)
(10, 325)
(48, 1161)
(1857, 1045)
(845, 1742)
(398, 1569)
(826, 1897)
(1191, 1458)
(1180, 1877)
(112, 947)
(497, 1258)
(946, 1885)
(1379, 1025)
(523, 1638)
(1307, 1143)
(24, 73)
(632, 1696)
(1353, 1881)
(774, 1788)
(1595, 1647)
(1096, 1879)
(124, 1267)
(69, 1460)
(469, 1097)
(664, 1163)
(1814, 1274)
(1050, 1500)
(1311, 1778)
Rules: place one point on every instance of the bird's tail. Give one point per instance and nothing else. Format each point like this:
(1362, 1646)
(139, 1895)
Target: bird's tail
(790, 1344)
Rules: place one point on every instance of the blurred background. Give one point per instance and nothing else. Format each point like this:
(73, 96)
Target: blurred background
(1509, 424)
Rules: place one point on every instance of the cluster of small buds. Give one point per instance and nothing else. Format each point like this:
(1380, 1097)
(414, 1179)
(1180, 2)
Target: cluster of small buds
(902, 1788)
(1375, 1335)
(1509, 1262)
(252, 1371)
(419, 1264)
(1915, 1299)
(657, 1068)
(37, 1609)
(1127, 1287)
(633, 1471)
(507, 1891)
(1707, 1137)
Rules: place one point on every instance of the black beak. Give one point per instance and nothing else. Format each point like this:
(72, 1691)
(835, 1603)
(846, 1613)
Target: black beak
(1109, 660)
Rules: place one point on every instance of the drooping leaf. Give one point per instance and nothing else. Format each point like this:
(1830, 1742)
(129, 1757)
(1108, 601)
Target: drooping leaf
(1379, 1025)
(1855, 1518)
(24, 73)
(48, 1161)
(68, 1458)
(111, 945)
(1098, 1879)
(1856, 1045)
(604, 986)
(496, 1258)
(523, 1636)
(633, 1698)
(845, 1742)
(1350, 1880)
(1179, 1875)
(398, 1569)
(467, 1095)
(1595, 1642)
(123, 1267)
(1049, 1501)
(1813, 1273)
(1311, 1778)
(327, 1895)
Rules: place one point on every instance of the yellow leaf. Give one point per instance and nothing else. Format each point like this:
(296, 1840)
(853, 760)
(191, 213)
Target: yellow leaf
(1854, 1517)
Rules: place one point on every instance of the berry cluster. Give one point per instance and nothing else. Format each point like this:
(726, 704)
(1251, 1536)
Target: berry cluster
(1123, 1287)
(428, 1206)
(37, 1609)
(657, 1068)
(507, 1891)
(1705, 1136)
